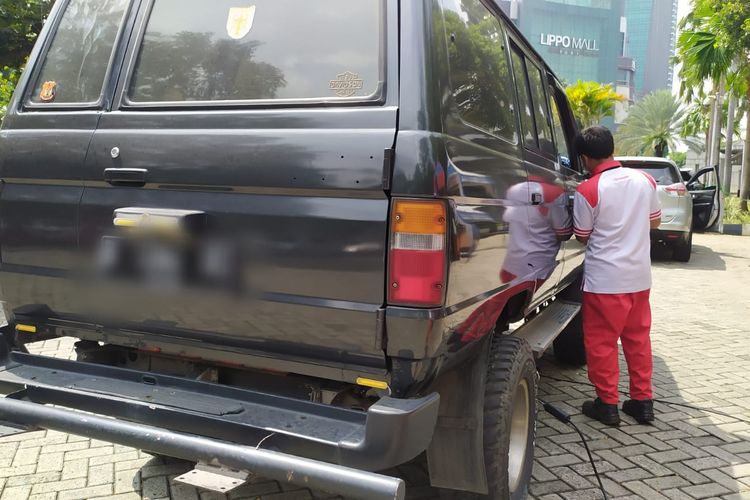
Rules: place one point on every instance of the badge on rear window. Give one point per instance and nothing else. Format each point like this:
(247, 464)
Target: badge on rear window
(240, 21)
(48, 92)
(346, 84)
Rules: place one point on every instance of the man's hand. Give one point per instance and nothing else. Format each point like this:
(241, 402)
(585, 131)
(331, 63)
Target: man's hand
(655, 223)
(583, 239)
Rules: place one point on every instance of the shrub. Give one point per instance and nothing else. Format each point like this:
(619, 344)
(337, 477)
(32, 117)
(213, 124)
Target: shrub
(8, 80)
(732, 212)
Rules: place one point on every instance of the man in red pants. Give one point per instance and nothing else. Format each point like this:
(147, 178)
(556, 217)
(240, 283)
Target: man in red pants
(613, 214)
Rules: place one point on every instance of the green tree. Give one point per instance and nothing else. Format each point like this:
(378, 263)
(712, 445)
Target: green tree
(8, 79)
(20, 23)
(679, 158)
(592, 101)
(653, 126)
(715, 45)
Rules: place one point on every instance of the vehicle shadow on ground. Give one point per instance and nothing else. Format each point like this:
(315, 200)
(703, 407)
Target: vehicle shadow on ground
(688, 451)
(703, 258)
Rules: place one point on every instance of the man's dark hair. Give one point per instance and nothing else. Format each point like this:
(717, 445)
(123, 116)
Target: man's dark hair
(596, 142)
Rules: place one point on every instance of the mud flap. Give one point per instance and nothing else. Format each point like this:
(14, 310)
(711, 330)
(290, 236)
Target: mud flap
(456, 455)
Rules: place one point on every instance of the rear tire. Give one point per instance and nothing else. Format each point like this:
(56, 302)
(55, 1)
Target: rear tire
(509, 418)
(683, 248)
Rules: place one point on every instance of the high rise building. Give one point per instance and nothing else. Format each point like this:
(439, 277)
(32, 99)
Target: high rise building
(650, 41)
(579, 39)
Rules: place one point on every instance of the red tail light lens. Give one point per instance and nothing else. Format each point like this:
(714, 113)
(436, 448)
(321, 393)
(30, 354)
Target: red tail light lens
(417, 272)
(677, 189)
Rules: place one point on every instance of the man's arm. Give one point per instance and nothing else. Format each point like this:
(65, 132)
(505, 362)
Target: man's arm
(655, 223)
(583, 218)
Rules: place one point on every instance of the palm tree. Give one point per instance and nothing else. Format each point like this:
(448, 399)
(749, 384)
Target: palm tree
(653, 126)
(592, 101)
(715, 44)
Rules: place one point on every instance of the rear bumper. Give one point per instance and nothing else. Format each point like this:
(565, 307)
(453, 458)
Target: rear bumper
(282, 467)
(391, 432)
(668, 235)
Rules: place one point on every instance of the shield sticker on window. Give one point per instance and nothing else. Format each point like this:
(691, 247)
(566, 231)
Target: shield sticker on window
(240, 21)
(48, 91)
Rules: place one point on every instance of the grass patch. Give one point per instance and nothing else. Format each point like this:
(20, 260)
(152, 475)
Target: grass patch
(732, 212)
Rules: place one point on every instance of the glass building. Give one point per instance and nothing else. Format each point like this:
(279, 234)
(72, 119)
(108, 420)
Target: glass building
(651, 36)
(579, 39)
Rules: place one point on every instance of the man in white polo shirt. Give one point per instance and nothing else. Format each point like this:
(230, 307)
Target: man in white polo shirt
(613, 214)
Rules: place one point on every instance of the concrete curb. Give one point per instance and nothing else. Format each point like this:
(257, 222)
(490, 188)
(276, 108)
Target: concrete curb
(736, 229)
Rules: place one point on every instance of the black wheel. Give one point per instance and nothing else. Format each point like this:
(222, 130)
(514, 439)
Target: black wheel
(683, 248)
(568, 346)
(509, 418)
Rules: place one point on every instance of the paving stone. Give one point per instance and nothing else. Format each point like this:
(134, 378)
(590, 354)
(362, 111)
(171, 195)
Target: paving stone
(39, 477)
(127, 481)
(739, 470)
(26, 456)
(65, 484)
(101, 474)
(538, 489)
(705, 490)
(85, 493)
(663, 457)
(559, 460)
(638, 449)
(644, 490)
(700, 464)
(737, 496)
(155, 487)
(44, 496)
(666, 482)
(589, 494)
(571, 477)
(621, 476)
(16, 493)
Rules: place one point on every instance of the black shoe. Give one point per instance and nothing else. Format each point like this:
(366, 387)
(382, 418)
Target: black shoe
(604, 413)
(641, 411)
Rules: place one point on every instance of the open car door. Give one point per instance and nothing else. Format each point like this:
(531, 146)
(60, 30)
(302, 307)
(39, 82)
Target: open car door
(703, 188)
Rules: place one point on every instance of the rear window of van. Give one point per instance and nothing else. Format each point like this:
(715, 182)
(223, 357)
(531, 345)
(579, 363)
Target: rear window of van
(229, 50)
(662, 173)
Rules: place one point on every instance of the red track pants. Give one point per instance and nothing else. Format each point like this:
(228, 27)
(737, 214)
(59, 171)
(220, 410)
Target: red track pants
(607, 318)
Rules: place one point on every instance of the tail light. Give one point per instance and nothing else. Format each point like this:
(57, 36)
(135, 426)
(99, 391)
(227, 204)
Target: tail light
(677, 189)
(417, 264)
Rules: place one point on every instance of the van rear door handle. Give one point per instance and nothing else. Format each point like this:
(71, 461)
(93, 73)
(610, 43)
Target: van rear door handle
(125, 176)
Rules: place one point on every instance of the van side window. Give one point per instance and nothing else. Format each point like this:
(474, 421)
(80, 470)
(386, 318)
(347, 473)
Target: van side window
(524, 99)
(77, 60)
(541, 112)
(559, 131)
(224, 50)
(479, 68)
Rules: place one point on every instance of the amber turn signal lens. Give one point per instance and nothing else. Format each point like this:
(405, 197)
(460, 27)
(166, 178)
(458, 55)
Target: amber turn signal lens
(418, 217)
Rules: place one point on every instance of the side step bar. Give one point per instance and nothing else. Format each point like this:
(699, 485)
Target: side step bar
(285, 468)
(541, 330)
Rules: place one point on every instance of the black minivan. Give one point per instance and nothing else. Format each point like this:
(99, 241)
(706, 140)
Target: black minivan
(290, 237)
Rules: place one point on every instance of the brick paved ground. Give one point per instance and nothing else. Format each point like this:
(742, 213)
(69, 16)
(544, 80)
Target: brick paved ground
(702, 357)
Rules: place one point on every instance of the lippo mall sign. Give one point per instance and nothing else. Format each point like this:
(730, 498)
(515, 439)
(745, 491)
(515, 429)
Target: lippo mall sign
(569, 42)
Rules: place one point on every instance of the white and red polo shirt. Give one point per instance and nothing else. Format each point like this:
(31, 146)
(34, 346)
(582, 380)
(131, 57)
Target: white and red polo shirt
(614, 209)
